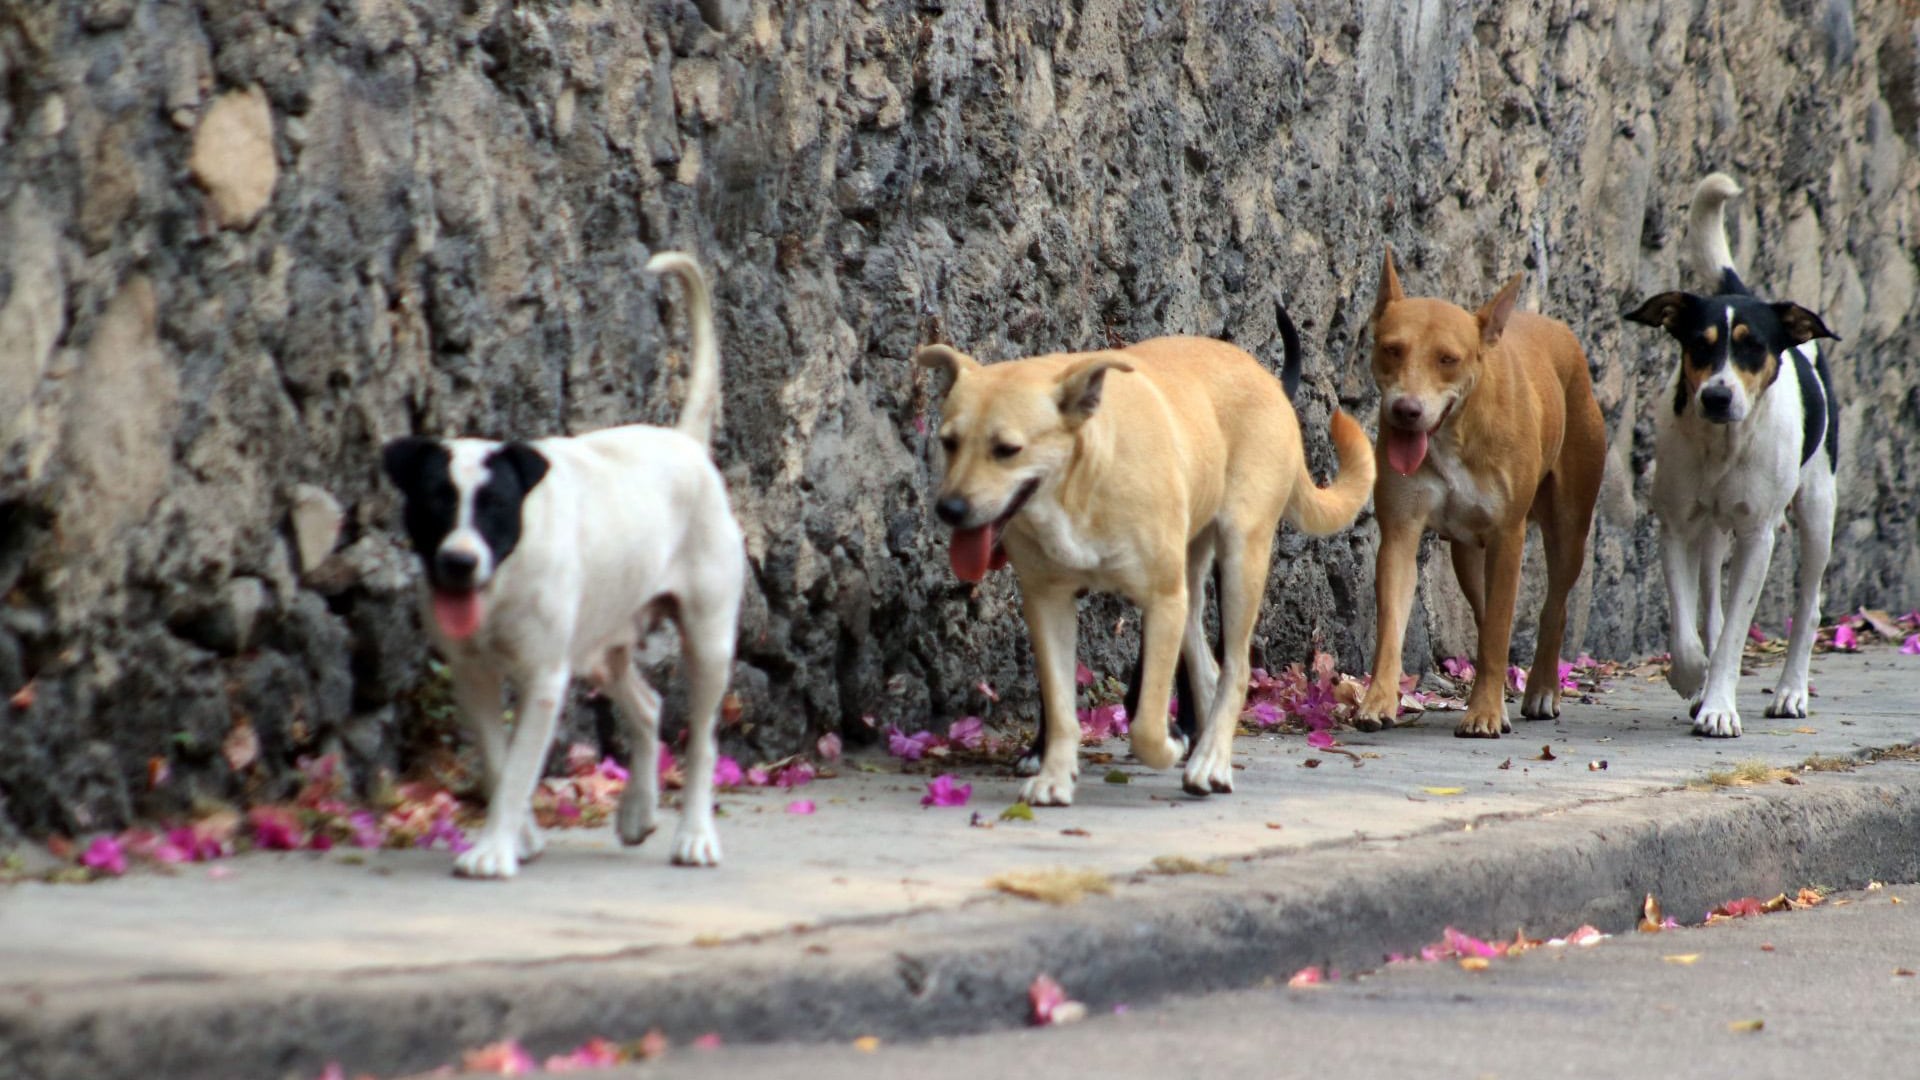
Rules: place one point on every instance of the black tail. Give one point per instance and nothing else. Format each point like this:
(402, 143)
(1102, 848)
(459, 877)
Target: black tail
(1290, 371)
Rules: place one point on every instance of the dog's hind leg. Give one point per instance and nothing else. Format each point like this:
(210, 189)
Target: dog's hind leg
(1244, 557)
(1752, 551)
(1198, 680)
(496, 851)
(708, 654)
(1053, 625)
(639, 706)
(1813, 519)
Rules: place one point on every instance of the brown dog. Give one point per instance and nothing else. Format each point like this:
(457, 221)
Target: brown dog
(1487, 420)
(1132, 471)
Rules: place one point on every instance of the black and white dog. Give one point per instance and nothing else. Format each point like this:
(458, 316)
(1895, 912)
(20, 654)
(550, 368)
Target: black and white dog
(1752, 429)
(557, 557)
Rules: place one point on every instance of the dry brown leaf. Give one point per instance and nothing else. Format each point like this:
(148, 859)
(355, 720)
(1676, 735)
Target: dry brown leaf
(1650, 917)
(22, 698)
(1739, 1027)
(1183, 864)
(1683, 959)
(1055, 886)
(1475, 963)
(1546, 754)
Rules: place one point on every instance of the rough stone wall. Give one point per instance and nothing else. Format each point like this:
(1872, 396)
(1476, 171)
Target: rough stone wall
(242, 242)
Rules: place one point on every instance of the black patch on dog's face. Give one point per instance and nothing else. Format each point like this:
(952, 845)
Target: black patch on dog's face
(512, 472)
(423, 470)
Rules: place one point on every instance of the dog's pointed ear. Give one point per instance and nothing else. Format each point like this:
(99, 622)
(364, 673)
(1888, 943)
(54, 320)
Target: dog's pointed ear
(527, 464)
(1801, 325)
(403, 459)
(1493, 318)
(1389, 290)
(1659, 310)
(946, 360)
(1081, 386)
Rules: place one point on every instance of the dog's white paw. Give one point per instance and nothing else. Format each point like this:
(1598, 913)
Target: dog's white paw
(493, 855)
(1687, 673)
(1028, 764)
(1719, 722)
(634, 819)
(1048, 789)
(531, 842)
(696, 845)
(1540, 704)
(1209, 772)
(1789, 702)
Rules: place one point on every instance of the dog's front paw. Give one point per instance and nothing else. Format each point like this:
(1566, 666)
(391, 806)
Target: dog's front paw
(634, 820)
(1687, 673)
(493, 855)
(1789, 702)
(1484, 723)
(1209, 772)
(1048, 789)
(1718, 721)
(1377, 711)
(696, 845)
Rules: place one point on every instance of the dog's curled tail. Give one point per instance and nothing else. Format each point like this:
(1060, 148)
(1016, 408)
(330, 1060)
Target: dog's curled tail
(1324, 511)
(702, 408)
(1707, 231)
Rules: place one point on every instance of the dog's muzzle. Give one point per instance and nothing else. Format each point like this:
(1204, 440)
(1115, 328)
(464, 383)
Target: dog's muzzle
(975, 552)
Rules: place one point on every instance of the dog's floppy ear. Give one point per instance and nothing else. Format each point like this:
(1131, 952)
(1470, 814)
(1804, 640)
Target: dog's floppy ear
(1493, 317)
(1389, 291)
(403, 459)
(527, 464)
(1659, 310)
(946, 360)
(1079, 389)
(1801, 325)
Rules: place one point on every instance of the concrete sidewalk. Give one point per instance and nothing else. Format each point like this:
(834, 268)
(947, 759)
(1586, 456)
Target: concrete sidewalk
(873, 914)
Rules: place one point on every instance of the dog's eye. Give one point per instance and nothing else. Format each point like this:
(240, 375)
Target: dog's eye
(949, 443)
(1003, 451)
(1448, 359)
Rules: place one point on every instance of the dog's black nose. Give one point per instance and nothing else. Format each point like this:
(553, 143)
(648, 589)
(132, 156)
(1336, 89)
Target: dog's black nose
(1406, 411)
(455, 569)
(1717, 402)
(953, 509)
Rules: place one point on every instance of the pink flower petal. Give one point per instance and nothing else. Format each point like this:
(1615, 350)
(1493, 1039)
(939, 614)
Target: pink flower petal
(105, 855)
(800, 806)
(612, 770)
(709, 1041)
(1307, 976)
(727, 774)
(1082, 674)
(829, 747)
(1756, 635)
(969, 732)
(505, 1058)
(794, 775)
(1044, 996)
(942, 791)
(595, 1053)
(1911, 646)
(1844, 638)
(1320, 739)
(986, 688)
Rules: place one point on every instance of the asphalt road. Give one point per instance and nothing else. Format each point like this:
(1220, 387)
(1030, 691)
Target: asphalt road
(1823, 982)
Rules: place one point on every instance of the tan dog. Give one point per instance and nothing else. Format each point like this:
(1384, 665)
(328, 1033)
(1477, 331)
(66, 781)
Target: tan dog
(1487, 420)
(1135, 484)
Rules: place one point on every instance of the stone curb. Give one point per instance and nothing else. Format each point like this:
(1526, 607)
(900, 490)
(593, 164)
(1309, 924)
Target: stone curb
(955, 971)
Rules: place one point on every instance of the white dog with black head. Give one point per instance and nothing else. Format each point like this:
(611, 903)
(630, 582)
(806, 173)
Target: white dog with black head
(1751, 431)
(558, 557)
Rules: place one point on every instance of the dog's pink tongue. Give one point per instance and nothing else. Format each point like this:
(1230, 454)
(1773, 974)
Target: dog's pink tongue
(1406, 450)
(972, 553)
(457, 613)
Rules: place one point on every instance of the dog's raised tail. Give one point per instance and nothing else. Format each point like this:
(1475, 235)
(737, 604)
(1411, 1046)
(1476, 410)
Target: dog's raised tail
(1707, 233)
(702, 408)
(1323, 511)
